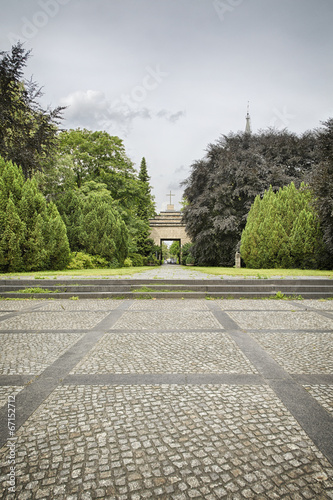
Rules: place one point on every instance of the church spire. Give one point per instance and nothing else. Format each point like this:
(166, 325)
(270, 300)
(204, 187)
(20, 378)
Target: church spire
(248, 122)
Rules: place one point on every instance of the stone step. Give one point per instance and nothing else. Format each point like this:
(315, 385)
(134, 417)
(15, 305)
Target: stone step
(126, 281)
(132, 288)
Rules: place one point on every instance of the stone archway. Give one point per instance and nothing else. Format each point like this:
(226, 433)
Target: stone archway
(168, 226)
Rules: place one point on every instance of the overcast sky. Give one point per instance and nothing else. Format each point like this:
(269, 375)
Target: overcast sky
(171, 76)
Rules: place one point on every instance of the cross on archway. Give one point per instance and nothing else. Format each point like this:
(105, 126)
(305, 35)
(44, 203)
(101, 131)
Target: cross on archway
(170, 194)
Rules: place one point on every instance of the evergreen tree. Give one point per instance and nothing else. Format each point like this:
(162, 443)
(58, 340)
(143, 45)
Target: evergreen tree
(70, 206)
(32, 234)
(145, 210)
(56, 240)
(12, 239)
(282, 230)
(93, 221)
(32, 209)
(306, 240)
(143, 173)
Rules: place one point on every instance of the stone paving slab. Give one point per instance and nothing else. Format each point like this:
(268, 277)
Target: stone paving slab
(16, 305)
(79, 305)
(183, 319)
(170, 305)
(49, 321)
(325, 305)
(31, 353)
(299, 352)
(293, 320)
(256, 305)
(181, 352)
(167, 399)
(323, 394)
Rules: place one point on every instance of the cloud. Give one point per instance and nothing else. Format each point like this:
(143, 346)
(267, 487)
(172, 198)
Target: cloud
(92, 109)
(174, 186)
(171, 117)
(181, 169)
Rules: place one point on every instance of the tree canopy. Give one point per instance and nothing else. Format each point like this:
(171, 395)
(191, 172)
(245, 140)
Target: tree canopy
(28, 133)
(322, 185)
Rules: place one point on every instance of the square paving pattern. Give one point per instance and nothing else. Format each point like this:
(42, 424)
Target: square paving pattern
(161, 320)
(48, 321)
(31, 353)
(166, 399)
(299, 352)
(292, 320)
(181, 352)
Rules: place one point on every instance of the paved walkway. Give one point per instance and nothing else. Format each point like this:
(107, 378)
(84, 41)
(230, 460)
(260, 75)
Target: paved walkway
(166, 399)
(174, 271)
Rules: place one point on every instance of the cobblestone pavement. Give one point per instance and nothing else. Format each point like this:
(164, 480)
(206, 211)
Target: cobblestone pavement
(166, 399)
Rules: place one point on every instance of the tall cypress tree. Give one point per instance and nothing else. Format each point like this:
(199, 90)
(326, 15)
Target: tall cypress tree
(146, 209)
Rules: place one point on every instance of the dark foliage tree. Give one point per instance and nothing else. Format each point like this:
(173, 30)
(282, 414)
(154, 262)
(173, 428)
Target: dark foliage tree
(28, 133)
(223, 185)
(322, 185)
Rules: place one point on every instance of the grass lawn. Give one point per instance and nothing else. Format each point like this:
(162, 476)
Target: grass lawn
(87, 273)
(261, 273)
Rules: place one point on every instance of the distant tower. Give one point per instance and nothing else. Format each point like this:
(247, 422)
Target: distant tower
(248, 122)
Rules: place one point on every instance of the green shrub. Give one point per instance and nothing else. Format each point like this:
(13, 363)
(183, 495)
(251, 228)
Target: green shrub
(137, 259)
(151, 261)
(81, 260)
(128, 262)
(190, 260)
(99, 262)
(114, 264)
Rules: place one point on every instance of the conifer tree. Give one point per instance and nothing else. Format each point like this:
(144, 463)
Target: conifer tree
(146, 209)
(12, 238)
(282, 230)
(30, 230)
(94, 223)
(32, 209)
(56, 240)
(305, 239)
